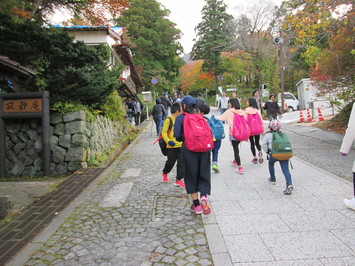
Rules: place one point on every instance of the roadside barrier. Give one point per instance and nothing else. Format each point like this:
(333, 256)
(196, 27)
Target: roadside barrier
(320, 116)
(301, 117)
(309, 117)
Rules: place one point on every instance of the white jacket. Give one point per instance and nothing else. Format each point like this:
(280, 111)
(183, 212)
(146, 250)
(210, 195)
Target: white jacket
(223, 102)
(266, 143)
(349, 135)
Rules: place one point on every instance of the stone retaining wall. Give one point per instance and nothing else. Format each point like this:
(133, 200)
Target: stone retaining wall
(73, 141)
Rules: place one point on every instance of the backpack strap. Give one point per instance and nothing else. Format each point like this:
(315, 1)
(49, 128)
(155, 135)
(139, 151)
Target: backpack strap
(170, 124)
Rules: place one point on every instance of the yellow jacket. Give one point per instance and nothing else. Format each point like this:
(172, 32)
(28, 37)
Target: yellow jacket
(164, 133)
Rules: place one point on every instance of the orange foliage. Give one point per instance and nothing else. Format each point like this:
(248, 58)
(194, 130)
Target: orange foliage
(21, 13)
(193, 78)
(98, 12)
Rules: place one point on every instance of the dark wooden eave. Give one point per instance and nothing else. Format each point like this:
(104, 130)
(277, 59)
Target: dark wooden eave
(11, 67)
(126, 57)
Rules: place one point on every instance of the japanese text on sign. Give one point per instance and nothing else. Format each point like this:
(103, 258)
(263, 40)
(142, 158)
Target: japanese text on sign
(23, 106)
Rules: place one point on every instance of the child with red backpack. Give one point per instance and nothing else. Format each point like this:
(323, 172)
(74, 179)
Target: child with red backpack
(256, 126)
(192, 129)
(238, 129)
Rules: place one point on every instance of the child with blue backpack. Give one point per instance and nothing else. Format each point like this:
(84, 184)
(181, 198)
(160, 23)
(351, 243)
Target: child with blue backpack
(197, 171)
(218, 134)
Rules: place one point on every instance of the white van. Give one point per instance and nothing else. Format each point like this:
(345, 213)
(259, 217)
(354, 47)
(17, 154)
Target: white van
(291, 102)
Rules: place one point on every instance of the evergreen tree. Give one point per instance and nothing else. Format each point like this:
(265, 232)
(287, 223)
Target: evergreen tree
(213, 35)
(70, 71)
(154, 42)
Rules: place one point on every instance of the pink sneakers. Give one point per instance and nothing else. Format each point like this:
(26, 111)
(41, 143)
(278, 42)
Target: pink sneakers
(234, 163)
(180, 183)
(206, 209)
(240, 170)
(196, 209)
(165, 177)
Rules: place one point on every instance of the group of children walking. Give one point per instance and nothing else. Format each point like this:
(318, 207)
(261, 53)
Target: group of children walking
(190, 142)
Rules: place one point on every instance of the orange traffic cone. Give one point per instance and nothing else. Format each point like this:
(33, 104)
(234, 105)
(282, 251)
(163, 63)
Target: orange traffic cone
(309, 117)
(320, 116)
(301, 117)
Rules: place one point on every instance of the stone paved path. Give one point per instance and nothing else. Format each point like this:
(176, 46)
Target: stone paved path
(129, 217)
(152, 226)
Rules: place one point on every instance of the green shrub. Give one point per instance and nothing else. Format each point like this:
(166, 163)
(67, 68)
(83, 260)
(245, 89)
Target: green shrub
(113, 107)
(70, 70)
(66, 107)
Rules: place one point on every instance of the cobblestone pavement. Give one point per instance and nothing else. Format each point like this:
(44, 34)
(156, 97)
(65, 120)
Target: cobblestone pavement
(152, 226)
(129, 217)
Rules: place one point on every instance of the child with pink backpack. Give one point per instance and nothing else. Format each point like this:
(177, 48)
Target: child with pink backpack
(256, 126)
(238, 129)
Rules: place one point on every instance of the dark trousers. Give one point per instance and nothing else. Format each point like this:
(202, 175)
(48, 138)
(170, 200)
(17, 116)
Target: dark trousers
(235, 144)
(174, 155)
(217, 146)
(158, 123)
(197, 171)
(254, 141)
(137, 118)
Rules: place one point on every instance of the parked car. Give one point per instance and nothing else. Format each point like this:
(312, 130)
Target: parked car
(290, 100)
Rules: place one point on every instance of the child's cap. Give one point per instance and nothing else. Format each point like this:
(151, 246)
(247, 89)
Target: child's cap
(189, 101)
(275, 125)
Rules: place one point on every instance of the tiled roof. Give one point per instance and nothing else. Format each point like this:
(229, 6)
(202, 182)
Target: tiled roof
(6, 63)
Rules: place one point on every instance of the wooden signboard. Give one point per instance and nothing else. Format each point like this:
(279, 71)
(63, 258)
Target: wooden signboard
(21, 106)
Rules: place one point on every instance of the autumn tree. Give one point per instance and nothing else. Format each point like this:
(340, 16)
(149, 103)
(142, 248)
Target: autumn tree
(254, 38)
(194, 79)
(236, 68)
(95, 12)
(154, 42)
(213, 35)
(323, 32)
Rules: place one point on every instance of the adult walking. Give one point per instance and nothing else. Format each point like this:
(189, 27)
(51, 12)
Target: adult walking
(256, 95)
(165, 101)
(130, 109)
(223, 102)
(137, 111)
(344, 150)
(199, 100)
(272, 108)
(158, 113)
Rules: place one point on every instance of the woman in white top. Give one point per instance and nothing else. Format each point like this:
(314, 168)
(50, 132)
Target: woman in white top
(344, 150)
(223, 102)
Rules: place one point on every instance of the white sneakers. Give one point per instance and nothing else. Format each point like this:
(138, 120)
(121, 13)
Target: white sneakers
(350, 203)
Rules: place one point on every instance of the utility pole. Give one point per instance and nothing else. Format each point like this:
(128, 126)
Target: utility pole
(281, 54)
(282, 68)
